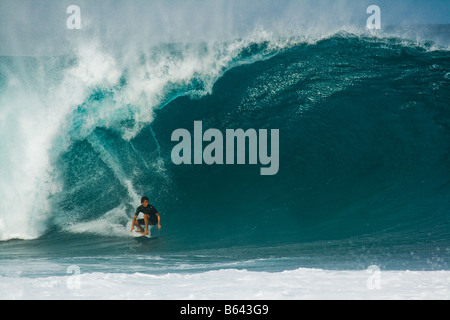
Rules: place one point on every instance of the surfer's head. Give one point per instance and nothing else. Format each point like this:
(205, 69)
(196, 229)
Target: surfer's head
(144, 201)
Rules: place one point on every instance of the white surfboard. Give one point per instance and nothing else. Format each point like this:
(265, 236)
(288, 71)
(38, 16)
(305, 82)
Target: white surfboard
(153, 232)
(137, 234)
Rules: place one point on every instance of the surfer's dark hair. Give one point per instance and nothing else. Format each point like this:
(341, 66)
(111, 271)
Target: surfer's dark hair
(143, 199)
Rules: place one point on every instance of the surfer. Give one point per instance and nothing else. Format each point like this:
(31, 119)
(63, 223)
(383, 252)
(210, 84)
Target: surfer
(151, 217)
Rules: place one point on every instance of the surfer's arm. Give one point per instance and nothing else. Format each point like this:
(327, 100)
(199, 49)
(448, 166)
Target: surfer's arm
(159, 220)
(133, 223)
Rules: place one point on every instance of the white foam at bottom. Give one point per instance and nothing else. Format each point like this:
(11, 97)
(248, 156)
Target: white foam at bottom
(233, 284)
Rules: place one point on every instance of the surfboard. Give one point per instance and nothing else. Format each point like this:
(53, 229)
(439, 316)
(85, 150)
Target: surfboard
(137, 234)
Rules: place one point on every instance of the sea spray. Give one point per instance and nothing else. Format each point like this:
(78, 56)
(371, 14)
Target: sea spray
(33, 118)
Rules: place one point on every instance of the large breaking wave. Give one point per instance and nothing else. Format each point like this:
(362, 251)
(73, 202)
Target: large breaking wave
(364, 139)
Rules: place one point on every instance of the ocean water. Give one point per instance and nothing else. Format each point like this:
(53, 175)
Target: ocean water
(362, 191)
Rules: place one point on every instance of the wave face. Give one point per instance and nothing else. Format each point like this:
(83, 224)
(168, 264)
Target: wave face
(364, 146)
(364, 141)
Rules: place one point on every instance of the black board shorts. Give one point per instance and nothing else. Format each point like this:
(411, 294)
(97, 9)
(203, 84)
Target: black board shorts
(152, 220)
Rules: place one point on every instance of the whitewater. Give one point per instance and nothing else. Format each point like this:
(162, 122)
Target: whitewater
(358, 207)
(246, 285)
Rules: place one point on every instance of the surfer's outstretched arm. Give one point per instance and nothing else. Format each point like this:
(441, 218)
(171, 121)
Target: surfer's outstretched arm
(133, 224)
(159, 220)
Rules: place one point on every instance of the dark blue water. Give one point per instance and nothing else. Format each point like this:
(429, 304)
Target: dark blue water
(364, 174)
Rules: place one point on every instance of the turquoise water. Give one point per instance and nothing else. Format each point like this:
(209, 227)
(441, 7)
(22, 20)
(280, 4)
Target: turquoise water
(364, 157)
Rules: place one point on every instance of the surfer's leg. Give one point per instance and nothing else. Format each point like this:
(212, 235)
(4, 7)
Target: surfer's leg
(146, 223)
(138, 224)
